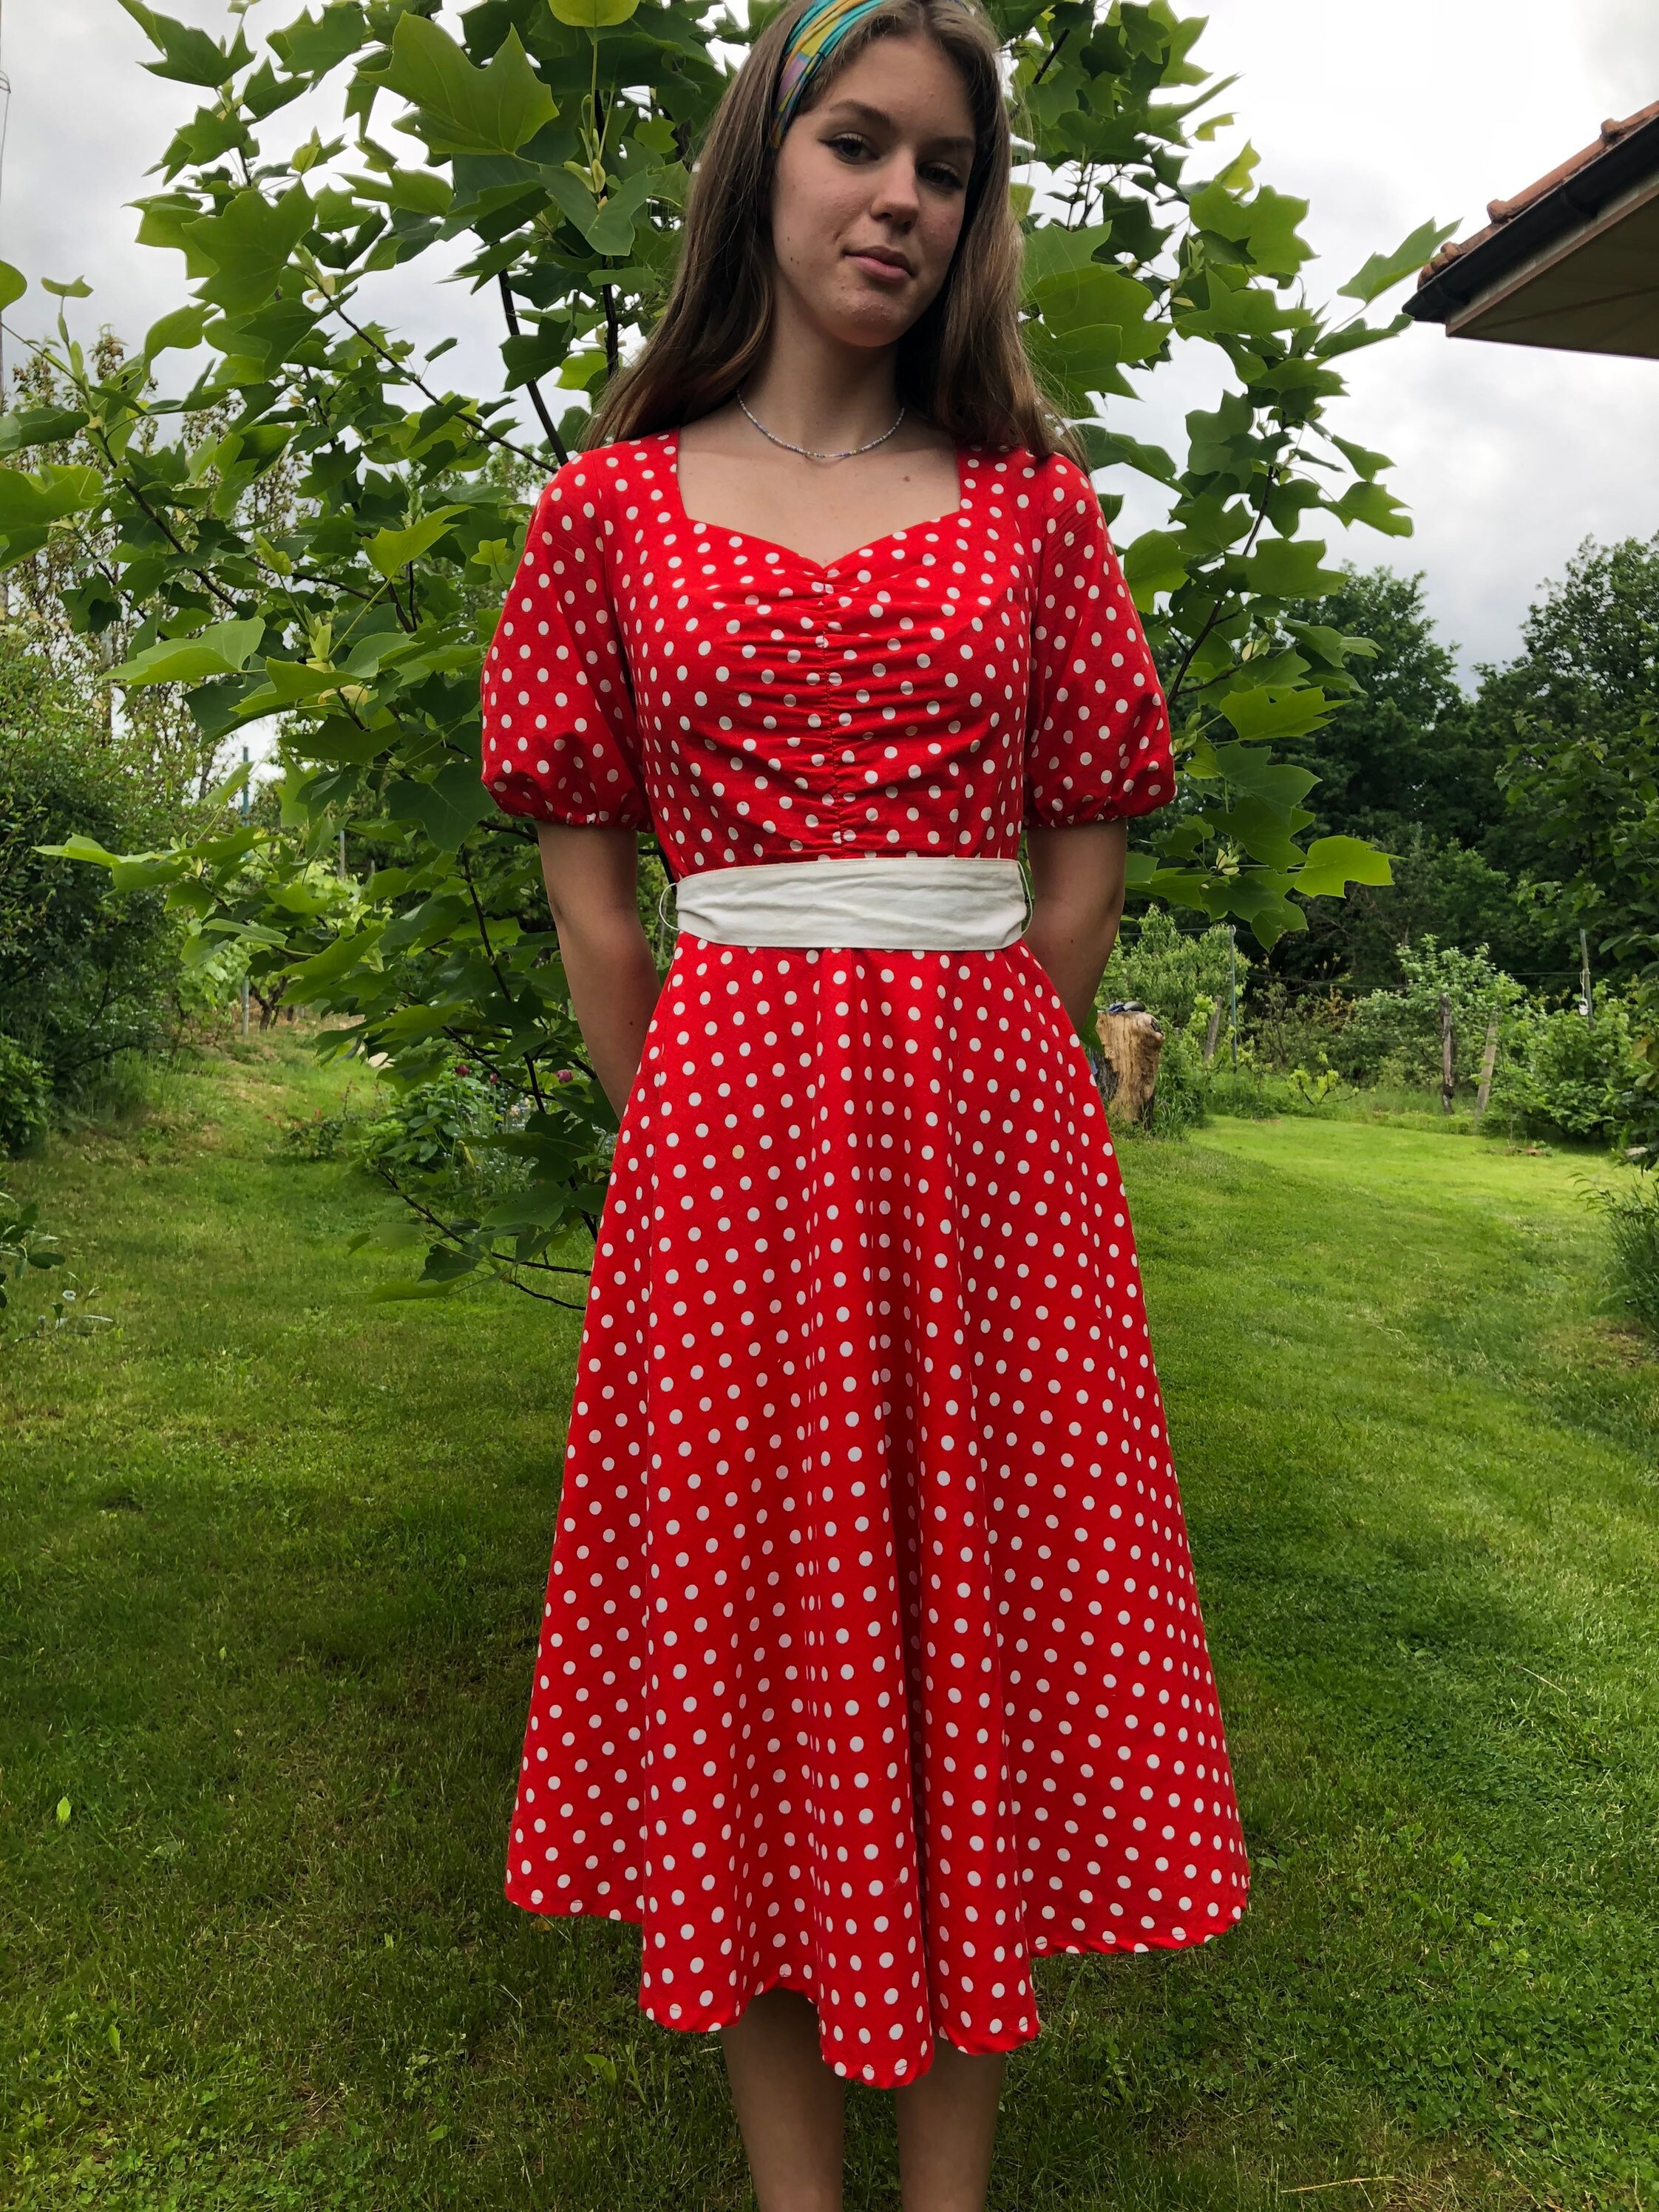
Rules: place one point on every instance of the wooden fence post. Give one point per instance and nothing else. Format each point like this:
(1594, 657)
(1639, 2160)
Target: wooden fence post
(1488, 1062)
(1448, 1061)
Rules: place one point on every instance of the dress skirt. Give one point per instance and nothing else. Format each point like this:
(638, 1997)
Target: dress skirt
(872, 1665)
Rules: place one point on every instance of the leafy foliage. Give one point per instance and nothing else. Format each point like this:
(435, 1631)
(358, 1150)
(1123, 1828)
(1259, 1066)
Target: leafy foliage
(25, 1098)
(1410, 762)
(550, 146)
(1632, 1220)
(1561, 1074)
(1394, 1035)
(86, 967)
(1580, 712)
(29, 1251)
(1177, 975)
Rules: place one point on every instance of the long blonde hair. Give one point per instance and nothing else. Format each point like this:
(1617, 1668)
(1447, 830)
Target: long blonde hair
(962, 364)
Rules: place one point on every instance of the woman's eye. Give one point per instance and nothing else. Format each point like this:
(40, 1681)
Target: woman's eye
(851, 146)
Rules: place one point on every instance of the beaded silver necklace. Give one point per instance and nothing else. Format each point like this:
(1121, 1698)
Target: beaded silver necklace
(807, 450)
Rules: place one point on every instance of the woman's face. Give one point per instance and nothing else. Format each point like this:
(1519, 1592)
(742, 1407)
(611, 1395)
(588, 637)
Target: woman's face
(869, 190)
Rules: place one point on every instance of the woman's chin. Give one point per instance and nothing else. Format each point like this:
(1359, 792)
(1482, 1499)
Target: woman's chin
(858, 317)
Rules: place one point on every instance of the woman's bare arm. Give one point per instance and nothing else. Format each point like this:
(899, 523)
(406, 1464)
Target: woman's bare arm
(592, 877)
(1077, 887)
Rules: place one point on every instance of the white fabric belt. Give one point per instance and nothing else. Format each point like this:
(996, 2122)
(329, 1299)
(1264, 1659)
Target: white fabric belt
(911, 901)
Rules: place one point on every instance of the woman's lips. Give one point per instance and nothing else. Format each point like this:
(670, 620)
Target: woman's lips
(884, 272)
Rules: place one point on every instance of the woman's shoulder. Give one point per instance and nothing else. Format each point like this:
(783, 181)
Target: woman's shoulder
(1050, 477)
(590, 479)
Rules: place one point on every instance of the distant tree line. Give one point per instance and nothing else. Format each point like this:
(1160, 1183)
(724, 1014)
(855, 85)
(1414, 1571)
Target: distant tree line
(1517, 811)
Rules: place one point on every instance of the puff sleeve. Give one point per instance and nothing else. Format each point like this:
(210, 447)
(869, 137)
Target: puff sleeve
(561, 743)
(1096, 729)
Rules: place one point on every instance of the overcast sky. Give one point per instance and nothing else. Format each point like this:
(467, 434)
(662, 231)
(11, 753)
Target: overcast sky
(1379, 113)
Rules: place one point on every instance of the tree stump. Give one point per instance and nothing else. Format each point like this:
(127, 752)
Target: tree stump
(1130, 1043)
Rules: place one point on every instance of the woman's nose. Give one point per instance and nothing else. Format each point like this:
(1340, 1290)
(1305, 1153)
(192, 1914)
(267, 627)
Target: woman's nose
(896, 196)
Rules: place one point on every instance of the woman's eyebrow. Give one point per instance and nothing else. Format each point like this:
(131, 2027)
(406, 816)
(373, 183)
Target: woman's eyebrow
(879, 116)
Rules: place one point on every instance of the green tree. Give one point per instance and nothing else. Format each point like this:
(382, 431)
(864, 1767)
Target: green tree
(63, 601)
(1578, 711)
(86, 971)
(1400, 752)
(549, 145)
(1408, 763)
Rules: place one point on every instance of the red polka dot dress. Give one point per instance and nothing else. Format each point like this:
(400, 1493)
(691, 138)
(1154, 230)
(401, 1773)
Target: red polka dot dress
(870, 1664)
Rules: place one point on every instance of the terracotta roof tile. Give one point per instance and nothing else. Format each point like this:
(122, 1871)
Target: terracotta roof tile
(1504, 211)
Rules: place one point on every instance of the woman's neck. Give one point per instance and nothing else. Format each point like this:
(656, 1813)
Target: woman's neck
(814, 392)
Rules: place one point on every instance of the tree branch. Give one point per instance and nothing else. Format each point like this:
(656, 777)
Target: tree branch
(480, 430)
(531, 386)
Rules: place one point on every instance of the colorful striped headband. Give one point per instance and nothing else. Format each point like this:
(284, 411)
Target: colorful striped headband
(820, 30)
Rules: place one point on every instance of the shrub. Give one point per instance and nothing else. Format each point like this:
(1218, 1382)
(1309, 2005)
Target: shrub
(434, 1130)
(1633, 1217)
(1307, 1029)
(25, 1099)
(1180, 1100)
(321, 1136)
(1563, 1074)
(86, 972)
(1393, 1037)
(1169, 970)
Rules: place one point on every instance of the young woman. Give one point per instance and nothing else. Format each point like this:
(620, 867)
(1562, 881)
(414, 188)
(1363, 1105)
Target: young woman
(871, 1666)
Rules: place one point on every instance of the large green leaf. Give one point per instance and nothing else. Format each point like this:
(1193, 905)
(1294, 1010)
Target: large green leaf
(351, 949)
(594, 15)
(1157, 562)
(39, 426)
(1248, 768)
(392, 549)
(1051, 249)
(611, 231)
(12, 284)
(1378, 508)
(1110, 448)
(182, 328)
(1268, 712)
(250, 245)
(1241, 312)
(1288, 569)
(31, 504)
(1260, 826)
(461, 109)
(1091, 296)
(1360, 458)
(223, 649)
(1334, 863)
(188, 55)
(447, 808)
(296, 684)
(1384, 270)
(312, 46)
(1264, 226)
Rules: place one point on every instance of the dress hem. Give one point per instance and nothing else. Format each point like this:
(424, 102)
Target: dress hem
(871, 2077)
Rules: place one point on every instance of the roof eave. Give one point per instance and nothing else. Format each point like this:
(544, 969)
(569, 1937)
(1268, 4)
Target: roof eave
(1576, 203)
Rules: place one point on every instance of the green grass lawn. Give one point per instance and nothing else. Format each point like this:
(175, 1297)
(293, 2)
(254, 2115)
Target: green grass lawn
(273, 1559)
